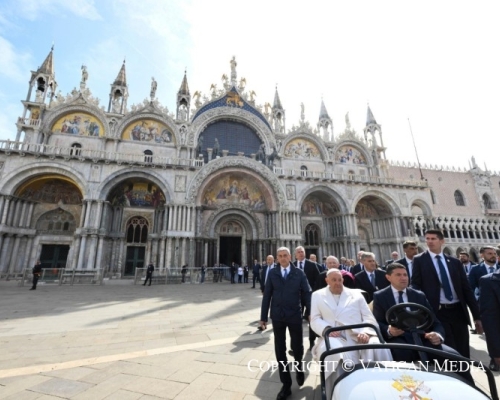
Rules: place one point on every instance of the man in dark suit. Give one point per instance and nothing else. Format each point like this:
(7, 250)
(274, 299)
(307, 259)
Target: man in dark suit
(149, 274)
(323, 265)
(37, 272)
(487, 266)
(285, 292)
(256, 273)
(371, 279)
(489, 304)
(394, 258)
(464, 258)
(442, 278)
(399, 292)
(359, 266)
(312, 271)
(410, 249)
(266, 267)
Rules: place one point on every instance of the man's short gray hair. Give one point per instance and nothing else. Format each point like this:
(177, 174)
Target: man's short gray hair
(283, 249)
(367, 254)
(300, 248)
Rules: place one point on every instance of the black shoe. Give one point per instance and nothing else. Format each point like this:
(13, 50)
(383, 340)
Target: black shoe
(290, 353)
(300, 376)
(33, 288)
(494, 366)
(311, 345)
(149, 284)
(284, 393)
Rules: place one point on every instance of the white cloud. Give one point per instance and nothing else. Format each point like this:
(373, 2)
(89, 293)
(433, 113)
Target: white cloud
(32, 9)
(12, 65)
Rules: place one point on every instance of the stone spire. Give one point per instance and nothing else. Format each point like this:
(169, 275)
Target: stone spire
(323, 113)
(184, 89)
(47, 67)
(370, 119)
(278, 114)
(373, 129)
(277, 101)
(44, 80)
(121, 78)
(119, 93)
(183, 100)
(325, 123)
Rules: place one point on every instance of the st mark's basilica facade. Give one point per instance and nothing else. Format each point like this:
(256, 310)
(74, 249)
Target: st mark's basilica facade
(220, 179)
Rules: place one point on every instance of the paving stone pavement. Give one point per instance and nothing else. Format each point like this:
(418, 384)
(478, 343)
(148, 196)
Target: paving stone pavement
(119, 341)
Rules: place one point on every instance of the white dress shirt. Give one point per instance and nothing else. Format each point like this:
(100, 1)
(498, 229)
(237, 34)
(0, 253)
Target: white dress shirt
(442, 297)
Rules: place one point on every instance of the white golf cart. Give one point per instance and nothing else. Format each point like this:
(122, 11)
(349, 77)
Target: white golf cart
(389, 380)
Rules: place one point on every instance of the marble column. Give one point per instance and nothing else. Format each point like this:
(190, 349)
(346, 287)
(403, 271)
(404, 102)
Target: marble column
(5, 254)
(161, 261)
(74, 251)
(99, 253)
(6, 209)
(88, 213)
(14, 256)
(81, 255)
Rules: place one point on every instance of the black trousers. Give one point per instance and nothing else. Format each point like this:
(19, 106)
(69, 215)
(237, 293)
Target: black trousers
(255, 279)
(295, 330)
(35, 281)
(148, 277)
(456, 328)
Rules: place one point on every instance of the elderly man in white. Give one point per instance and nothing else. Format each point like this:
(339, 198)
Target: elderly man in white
(336, 305)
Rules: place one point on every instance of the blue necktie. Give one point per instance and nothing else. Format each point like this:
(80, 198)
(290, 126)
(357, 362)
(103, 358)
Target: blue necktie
(372, 279)
(491, 270)
(285, 274)
(401, 297)
(445, 282)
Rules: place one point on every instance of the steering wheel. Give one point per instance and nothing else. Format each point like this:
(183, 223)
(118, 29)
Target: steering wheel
(409, 316)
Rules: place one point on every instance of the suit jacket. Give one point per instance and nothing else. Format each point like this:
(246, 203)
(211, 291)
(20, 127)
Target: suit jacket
(489, 304)
(150, 269)
(263, 276)
(426, 279)
(363, 282)
(384, 299)
(352, 309)
(475, 274)
(356, 269)
(311, 269)
(256, 269)
(467, 272)
(286, 297)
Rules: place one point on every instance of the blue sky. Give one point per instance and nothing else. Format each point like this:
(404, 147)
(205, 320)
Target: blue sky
(436, 63)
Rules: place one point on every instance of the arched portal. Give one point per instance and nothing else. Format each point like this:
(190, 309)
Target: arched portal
(323, 225)
(376, 224)
(56, 204)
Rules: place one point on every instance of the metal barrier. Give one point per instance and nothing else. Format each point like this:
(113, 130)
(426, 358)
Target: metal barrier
(80, 276)
(175, 275)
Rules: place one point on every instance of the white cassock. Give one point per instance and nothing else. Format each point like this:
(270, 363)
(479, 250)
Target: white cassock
(348, 308)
